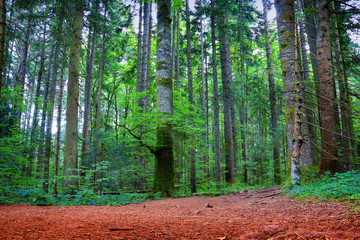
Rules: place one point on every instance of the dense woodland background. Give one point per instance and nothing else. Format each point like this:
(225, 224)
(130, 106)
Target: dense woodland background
(256, 101)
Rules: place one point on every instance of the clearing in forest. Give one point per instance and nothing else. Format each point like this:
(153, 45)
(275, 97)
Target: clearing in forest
(254, 214)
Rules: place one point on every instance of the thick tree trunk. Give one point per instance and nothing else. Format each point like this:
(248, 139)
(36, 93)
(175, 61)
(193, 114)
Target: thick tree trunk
(285, 10)
(327, 120)
(226, 74)
(164, 154)
(344, 99)
(216, 98)
(310, 28)
(85, 157)
(70, 159)
(306, 157)
(192, 151)
(272, 98)
(2, 39)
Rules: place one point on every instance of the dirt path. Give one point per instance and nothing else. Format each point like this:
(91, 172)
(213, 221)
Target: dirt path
(257, 214)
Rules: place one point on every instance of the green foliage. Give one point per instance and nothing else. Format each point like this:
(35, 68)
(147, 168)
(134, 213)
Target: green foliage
(343, 186)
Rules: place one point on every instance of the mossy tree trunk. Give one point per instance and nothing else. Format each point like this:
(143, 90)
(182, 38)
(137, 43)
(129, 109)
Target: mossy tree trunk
(71, 152)
(164, 173)
(285, 10)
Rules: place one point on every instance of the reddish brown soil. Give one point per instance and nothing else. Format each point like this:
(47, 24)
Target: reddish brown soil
(257, 214)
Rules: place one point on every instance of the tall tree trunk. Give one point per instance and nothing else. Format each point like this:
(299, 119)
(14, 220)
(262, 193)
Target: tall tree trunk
(145, 57)
(2, 39)
(21, 74)
(173, 42)
(139, 56)
(88, 87)
(226, 74)
(35, 121)
(164, 154)
(58, 119)
(191, 99)
(70, 159)
(272, 98)
(216, 98)
(310, 28)
(48, 145)
(344, 99)
(98, 102)
(178, 50)
(327, 100)
(306, 157)
(285, 10)
(203, 90)
(41, 150)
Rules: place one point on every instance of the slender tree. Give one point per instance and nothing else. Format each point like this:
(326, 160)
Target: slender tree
(216, 97)
(272, 97)
(192, 151)
(2, 39)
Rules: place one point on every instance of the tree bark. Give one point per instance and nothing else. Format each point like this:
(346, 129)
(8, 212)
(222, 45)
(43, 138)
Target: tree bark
(2, 39)
(286, 30)
(306, 155)
(178, 50)
(164, 173)
(216, 97)
(192, 151)
(326, 101)
(226, 74)
(145, 57)
(35, 121)
(344, 97)
(21, 74)
(70, 159)
(50, 113)
(272, 98)
(139, 58)
(41, 149)
(93, 29)
(58, 120)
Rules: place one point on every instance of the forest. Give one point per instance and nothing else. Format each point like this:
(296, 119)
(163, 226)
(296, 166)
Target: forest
(176, 97)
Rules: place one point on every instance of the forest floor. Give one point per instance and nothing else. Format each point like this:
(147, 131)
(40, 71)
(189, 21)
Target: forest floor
(254, 214)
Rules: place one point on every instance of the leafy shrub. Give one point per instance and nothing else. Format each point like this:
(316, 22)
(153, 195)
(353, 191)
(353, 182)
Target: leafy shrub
(345, 186)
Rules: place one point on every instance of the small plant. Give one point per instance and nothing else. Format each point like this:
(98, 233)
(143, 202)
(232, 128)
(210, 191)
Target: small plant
(343, 186)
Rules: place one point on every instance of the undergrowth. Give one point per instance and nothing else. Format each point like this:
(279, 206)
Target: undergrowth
(85, 197)
(341, 186)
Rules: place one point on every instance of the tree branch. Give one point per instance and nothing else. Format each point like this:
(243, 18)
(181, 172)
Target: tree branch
(151, 149)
